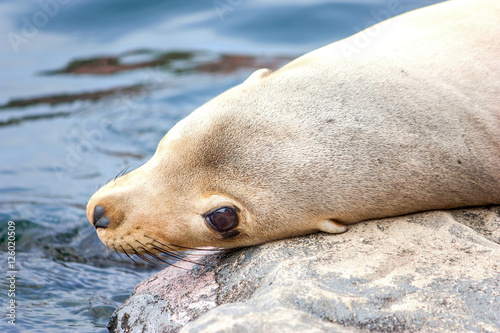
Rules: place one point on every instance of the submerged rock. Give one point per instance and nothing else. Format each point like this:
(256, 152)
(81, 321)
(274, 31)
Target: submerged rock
(175, 62)
(432, 271)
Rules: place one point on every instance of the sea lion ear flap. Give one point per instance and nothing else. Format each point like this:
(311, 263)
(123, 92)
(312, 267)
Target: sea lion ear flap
(331, 226)
(257, 75)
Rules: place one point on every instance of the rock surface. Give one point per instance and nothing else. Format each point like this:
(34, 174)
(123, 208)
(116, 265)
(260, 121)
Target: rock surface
(433, 271)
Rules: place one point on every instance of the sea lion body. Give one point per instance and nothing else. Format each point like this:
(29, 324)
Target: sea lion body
(409, 123)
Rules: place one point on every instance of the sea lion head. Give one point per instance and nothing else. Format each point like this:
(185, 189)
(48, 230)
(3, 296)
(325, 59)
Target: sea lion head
(217, 179)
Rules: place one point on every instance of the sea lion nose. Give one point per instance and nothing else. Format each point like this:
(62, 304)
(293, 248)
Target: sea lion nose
(99, 220)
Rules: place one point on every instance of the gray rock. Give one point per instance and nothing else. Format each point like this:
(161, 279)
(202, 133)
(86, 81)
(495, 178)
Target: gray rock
(432, 271)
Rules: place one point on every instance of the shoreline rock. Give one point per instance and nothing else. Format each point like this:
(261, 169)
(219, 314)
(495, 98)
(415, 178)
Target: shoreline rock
(432, 271)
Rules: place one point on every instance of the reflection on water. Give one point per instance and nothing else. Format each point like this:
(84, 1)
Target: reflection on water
(89, 87)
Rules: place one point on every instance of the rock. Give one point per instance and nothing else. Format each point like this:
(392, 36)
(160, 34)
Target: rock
(432, 271)
(175, 62)
(168, 300)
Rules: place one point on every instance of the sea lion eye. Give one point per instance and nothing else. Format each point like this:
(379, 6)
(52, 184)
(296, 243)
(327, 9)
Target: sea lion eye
(222, 219)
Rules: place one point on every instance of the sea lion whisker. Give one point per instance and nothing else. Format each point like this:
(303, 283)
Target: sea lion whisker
(169, 247)
(183, 257)
(173, 255)
(149, 257)
(153, 257)
(169, 251)
(213, 249)
(123, 171)
(170, 254)
(145, 258)
(129, 256)
(156, 257)
(119, 254)
(109, 180)
(184, 247)
(176, 255)
(207, 249)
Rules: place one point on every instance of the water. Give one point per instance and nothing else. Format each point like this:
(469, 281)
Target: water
(64, 134)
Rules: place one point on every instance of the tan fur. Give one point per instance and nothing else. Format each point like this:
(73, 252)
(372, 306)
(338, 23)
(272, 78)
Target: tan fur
(409, 123)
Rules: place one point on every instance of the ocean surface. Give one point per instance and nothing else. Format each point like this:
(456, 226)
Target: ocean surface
(88, 88)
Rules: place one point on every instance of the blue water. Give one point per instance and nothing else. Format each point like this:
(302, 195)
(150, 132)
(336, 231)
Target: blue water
(53, 157)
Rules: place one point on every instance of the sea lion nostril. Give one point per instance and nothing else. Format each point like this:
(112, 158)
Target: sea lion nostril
(103, 222)
(98, 214)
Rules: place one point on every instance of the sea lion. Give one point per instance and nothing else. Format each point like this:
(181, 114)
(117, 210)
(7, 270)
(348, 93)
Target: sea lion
(408, 123)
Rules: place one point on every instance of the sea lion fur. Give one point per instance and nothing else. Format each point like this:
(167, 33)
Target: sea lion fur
(410, 123)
